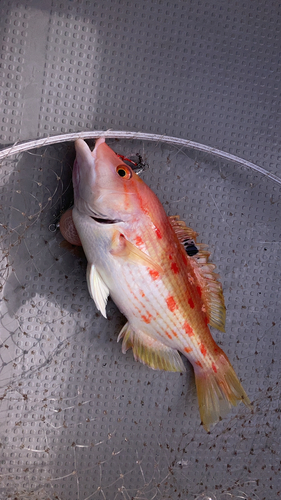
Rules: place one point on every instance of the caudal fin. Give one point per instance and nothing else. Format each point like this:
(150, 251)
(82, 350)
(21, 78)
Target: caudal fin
(217, 391)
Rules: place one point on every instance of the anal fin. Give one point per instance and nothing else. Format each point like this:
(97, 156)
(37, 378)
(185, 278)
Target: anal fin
(151, 352)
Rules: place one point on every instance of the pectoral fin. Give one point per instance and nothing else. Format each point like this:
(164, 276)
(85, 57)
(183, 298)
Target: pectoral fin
(97, 288)
(123, 248)
(149, 351)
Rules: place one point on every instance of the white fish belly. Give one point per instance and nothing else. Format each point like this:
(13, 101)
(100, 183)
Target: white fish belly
(143, 301)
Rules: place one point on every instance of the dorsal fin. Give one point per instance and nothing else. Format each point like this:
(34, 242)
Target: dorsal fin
(185, 234)
(212, 294)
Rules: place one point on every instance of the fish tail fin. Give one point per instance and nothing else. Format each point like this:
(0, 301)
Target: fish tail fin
(218, 389)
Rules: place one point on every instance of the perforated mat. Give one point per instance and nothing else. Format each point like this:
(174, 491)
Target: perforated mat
(79, 420)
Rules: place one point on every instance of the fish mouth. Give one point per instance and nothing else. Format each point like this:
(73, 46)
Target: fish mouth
(100, 220)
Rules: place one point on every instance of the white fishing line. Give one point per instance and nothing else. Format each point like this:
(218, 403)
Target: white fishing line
(121, 134)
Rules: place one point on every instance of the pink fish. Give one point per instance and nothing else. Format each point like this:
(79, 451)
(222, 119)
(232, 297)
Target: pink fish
(156, 274)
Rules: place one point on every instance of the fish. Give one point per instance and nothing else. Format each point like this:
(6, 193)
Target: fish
(160, 278)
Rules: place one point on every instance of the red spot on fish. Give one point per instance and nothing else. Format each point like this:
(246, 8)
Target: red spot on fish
(198, 363)
(168, 335)
(191, 303)
(206, 319)
(170, 257)
(143, 205)
(199, 291)
(147, 319)
(175, 268)
(187, 328)
(158, 233)
(142, 293)
(171, 303)
(214, 367)
(139, 241)
(154, 274)
(203, 350)
(175, 334)
(188, 349)
(126, 197)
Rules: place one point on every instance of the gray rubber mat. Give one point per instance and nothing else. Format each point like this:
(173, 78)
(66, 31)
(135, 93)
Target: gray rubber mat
(79, 420)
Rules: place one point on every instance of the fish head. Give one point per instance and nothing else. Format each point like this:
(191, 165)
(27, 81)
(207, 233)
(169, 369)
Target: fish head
(104, 186)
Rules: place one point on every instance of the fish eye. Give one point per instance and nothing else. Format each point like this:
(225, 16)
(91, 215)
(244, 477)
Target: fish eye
(124, 171)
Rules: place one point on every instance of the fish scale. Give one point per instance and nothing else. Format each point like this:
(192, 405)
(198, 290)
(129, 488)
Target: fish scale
(154, 301)
(137, 306)
(171, 286)
(136, 254)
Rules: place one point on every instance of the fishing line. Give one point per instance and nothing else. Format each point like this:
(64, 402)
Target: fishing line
(120, 134)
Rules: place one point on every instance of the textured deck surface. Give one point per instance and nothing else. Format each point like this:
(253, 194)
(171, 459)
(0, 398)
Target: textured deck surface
(78, 419)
